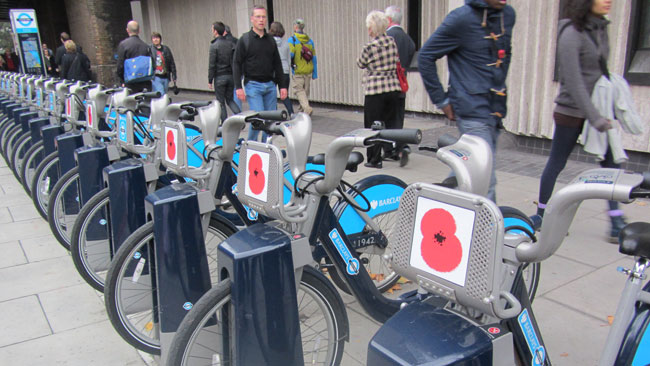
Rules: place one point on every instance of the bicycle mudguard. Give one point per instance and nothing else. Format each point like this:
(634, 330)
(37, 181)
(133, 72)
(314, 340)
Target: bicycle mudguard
(383, 193)
(635, 350)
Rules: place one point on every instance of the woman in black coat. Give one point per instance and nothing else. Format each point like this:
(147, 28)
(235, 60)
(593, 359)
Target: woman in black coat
(75, 65)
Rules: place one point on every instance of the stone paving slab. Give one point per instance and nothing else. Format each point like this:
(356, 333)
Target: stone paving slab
(95, 344)
(72, 307)
(22, 319)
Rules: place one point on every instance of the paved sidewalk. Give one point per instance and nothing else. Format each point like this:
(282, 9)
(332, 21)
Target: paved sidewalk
(50, 316)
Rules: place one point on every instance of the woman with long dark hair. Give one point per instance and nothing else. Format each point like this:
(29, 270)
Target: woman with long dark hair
(582, 52)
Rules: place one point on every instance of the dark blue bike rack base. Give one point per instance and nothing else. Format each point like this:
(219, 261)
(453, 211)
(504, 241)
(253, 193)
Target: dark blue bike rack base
(91, 161)
(66, 145)
(25, 118)
(180, 264)
(128, 189)
(49, 133)
(421, 334)
(35, 126)
(263, 292)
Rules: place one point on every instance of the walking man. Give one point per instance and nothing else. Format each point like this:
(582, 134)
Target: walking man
(164, 65)
(304, 64)
(220, 69)
(60, 51)
(257, 59)
(129, 48)
(476, 38)
(406, 50)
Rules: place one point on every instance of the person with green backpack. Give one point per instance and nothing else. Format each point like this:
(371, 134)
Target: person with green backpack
(303, 56)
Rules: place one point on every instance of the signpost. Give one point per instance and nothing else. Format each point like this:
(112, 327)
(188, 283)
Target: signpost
(25, 27)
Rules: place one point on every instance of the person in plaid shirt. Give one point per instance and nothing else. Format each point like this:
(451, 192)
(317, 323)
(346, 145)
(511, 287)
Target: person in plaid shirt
(381, 86)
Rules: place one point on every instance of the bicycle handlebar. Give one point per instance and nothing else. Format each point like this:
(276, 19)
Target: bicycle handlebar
(277, 115)
(147, 95)
(407, 136)
(197, 104)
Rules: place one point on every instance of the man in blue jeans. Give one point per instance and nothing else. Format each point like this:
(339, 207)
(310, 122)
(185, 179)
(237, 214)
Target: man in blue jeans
(476, 38)
(165, 67)
(258, 61)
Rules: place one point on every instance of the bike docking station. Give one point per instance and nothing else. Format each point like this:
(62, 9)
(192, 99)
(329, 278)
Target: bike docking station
(181, 215)
(128, 179)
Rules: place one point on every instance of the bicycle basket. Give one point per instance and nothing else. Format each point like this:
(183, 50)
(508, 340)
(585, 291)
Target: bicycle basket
(449, 242)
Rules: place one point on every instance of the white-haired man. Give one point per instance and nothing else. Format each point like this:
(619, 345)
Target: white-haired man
(406, 50)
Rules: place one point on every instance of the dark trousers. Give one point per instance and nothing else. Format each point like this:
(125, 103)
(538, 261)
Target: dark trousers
(223, 89)
(139, 87)
(565, 139)
(380, 107)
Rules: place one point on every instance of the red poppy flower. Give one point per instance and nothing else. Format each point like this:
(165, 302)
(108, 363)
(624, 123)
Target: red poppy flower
(441, 249)
(256, 178)
(171, 145)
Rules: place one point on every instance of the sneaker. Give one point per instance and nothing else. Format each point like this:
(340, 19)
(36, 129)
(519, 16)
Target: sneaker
(618, 223)
(537, 222)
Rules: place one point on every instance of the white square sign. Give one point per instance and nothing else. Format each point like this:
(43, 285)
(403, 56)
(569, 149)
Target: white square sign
(257, 175)
(171, 145)
(442, 239)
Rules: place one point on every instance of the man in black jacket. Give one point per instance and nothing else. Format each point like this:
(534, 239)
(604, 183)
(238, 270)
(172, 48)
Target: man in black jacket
(164, 65)
(130, 48)
(60, 51)
(257, 60)
(220, 69)
(406, 50)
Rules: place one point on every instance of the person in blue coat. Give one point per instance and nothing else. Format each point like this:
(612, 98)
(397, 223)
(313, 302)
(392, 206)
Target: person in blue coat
(476, 38)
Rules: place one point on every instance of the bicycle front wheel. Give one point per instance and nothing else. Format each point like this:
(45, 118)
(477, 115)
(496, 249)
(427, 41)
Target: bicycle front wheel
(63, 207)
(32, 158)
(89, 242)
(44, 178)
(128, 290)
(203, 338)
(383, 192)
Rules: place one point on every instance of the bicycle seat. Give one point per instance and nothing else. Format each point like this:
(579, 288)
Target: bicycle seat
(354, 160)
(634, 239)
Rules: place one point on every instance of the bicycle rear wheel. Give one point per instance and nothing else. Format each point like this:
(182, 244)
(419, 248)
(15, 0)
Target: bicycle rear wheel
(89, 242)
(323, 325)
(128, 290)
(63, 207)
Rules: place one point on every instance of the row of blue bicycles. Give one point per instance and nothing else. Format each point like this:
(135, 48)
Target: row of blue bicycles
(213, 250)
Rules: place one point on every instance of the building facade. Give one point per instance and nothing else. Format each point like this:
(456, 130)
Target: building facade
(339, 33)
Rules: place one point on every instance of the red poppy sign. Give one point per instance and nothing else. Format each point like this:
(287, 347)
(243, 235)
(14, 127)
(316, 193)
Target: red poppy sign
(68, 107)
(171, 145)
(442, 237)
(89, 115)
(440, 247)
(257, 172)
